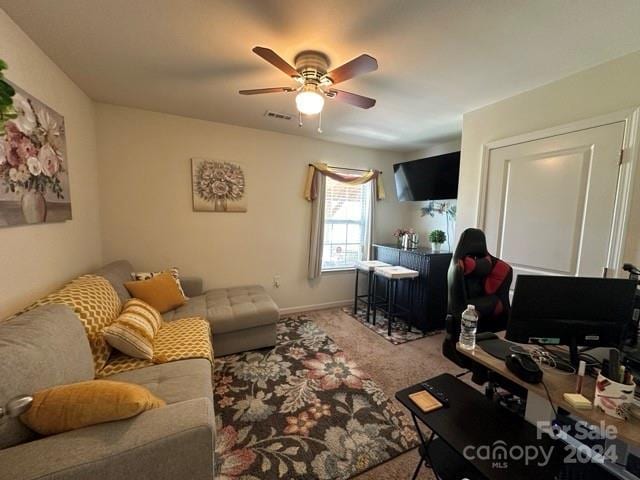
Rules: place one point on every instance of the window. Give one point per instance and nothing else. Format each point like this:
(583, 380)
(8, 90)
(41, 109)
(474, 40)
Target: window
(345, 224)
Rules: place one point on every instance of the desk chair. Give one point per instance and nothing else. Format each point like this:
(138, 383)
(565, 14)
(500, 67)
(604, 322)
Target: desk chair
(478, 278)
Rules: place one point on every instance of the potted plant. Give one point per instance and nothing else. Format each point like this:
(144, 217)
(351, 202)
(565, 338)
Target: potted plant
(437, 238)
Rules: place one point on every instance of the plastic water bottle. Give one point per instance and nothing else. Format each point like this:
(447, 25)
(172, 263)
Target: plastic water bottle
(468, 328)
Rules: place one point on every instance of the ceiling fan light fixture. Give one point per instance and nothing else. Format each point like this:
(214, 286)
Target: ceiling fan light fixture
(310, 100)
(316, 80)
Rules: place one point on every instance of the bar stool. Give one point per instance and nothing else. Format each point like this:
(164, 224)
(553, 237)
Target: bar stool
(366, 266)
(393, 309)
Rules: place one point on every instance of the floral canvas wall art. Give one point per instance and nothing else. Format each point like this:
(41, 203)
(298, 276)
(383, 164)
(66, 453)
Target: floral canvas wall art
(34, 181)
(218, 186)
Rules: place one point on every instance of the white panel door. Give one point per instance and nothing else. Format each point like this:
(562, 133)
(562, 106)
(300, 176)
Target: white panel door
(549, 203)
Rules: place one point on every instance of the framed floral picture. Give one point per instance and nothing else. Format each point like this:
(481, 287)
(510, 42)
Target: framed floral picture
(34, 180)
(218, 186)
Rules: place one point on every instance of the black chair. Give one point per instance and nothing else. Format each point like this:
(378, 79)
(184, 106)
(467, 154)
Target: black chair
(477, 278)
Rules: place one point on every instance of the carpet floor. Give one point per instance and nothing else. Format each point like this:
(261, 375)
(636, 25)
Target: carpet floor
(399, 332)
(303, 410)
(392, 367)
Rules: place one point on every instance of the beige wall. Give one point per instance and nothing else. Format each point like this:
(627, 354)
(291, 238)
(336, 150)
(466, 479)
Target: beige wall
(147, 214)
(36, 259)
(435, 149)
(607, 88)
(424, 225)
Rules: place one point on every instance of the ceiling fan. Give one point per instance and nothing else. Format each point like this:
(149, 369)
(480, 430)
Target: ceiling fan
(315, 80)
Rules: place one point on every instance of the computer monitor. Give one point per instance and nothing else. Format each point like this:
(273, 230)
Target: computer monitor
(572, 311)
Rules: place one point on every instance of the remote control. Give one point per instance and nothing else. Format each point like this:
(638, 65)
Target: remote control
(442, 398)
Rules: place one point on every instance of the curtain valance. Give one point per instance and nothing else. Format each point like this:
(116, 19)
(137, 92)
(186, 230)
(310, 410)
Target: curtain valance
(310, 190)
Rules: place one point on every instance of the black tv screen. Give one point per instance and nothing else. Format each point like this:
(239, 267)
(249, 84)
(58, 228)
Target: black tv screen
(433, 178)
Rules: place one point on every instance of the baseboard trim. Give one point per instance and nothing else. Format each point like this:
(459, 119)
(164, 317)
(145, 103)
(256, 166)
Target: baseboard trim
(317, 306)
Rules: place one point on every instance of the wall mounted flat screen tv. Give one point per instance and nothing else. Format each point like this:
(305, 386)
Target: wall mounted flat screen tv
(433, 178)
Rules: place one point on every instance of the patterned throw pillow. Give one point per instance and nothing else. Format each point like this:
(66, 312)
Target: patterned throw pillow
(136, 306)
(96, 303)
(176, 340)
(134, 330)
(183, 338)
(175, 273)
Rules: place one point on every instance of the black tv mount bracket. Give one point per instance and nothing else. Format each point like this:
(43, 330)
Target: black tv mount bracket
(634, 272)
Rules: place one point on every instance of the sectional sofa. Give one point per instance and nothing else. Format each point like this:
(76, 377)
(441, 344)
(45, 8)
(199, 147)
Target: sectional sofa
(241, 318)
(48, 346)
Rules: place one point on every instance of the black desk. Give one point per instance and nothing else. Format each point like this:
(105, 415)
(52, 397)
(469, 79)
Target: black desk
(473, 420)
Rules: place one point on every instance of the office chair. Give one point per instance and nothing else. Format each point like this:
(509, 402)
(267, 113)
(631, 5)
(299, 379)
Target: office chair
(478, 278)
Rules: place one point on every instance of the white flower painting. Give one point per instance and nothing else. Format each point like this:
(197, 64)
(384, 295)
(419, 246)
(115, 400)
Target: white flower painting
(34, 180)
(218, 186)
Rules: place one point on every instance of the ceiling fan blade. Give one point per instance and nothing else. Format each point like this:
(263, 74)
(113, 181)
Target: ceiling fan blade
(352, 98)
(274, 59)
(258, 91)
(359, 65)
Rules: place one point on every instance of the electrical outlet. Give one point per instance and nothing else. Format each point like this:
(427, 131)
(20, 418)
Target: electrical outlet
(276, 281)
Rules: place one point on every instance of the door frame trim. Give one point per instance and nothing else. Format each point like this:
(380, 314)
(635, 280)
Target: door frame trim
(630, 151)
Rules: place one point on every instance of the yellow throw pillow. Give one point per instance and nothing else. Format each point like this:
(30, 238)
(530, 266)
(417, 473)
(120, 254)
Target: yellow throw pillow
(134, 330)
(68, 407)
(161, 292)
(175, 273)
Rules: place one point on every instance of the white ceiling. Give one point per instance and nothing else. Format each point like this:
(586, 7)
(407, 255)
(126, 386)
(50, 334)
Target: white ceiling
(438, 59)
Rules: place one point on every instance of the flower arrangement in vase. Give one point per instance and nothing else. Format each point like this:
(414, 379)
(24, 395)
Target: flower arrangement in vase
(398, 233)
(31, 151)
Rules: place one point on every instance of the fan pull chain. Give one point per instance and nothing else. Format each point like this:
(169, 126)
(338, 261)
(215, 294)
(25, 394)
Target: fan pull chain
(320, 122)
(299, 119)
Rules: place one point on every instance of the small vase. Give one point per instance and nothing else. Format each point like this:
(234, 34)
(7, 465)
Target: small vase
(220, 205)
(34, 207)
(436, 247)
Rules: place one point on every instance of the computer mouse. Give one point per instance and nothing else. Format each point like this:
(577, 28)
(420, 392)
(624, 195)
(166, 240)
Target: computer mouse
(523, 367)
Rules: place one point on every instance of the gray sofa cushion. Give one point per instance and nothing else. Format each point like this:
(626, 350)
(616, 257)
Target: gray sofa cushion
(174, 381)
(168, 443)
(192, 286)
(44, 347)
(230, 309)
(117, 273)
(194, 307)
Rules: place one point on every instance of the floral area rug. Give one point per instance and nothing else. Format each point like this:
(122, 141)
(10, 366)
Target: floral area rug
(302, 410)
(399, 333)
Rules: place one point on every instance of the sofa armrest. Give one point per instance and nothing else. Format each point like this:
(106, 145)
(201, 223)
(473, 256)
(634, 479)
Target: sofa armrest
(176, 441)
(192, 286)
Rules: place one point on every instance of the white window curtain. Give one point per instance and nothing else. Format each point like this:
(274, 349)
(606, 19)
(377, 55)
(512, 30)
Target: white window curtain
(371, 224)
(317, 227)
